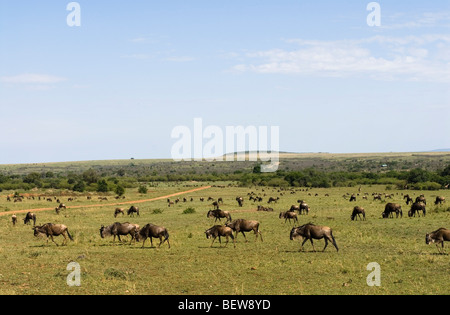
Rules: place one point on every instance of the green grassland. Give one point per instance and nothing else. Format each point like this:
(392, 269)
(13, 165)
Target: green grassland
(29, 265)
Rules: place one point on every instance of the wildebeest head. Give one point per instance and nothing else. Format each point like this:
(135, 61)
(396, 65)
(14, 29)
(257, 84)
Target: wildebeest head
(105, 231)
(428, 239)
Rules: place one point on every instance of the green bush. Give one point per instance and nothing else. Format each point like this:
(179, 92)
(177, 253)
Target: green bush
(189, 210)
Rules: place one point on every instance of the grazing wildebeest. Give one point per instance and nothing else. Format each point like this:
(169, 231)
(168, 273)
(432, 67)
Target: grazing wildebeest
(353, 198)
(242, 225)
(390, 209)
(30, 216)
(408, 199)
(117, 211)
(304, 208)
(288, 216)
(271, 199)
(220, 231)
(240, 201)
(357, 211)
(118, 229)
(153, 231)
(439, 200)
(62, 206)
(294, 208)
(421, 198)
(215, 204)
(133, 210)
(51, 230)
(416, 207)
(310, 231)
(219, 214)
(438, 237)
(14, 219)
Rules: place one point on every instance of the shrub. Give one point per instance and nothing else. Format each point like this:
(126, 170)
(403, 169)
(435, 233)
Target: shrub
(143, 189)
(189, 210)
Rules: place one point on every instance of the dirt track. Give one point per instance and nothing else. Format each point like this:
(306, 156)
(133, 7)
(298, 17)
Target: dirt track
(109, 204)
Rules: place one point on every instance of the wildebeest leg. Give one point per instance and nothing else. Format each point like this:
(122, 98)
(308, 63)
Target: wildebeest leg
(326, 244)
(143, 243)
(303, 243)
(51, 236)
(246, 240)
(213, 241)
(312, 243)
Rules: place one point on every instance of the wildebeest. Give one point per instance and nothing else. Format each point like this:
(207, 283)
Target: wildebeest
(14, 219)
(438, 237)
(118, 229)
(220, 231)
(439, 200)
(408, 199)
(421, 198)
(50, 229)
(133, 210)
(289, 215)
(357, 211)
(353, 198)
(117, 211)
(304, 208)
(310, 231)
(29, 216)
(390, 209)
(242, 225)
(240, 201)
(219, 214)
(153, 231)
(215, 204)
(416, 207)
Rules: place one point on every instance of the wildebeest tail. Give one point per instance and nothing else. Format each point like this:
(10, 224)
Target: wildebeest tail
(334, 241)
(70, 236)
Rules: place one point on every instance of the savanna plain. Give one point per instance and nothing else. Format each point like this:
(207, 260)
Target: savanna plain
(274, 266)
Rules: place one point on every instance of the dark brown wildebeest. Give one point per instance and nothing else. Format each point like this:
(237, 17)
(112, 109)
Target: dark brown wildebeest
(119, 229)
(220, 200)
(242, 225)
(117, 211)
(133, 210)
(438, 237)
(14, 219)
(271, 199)
(294, 208)
(51, 230)
(220, 231)
(289, 215)
(219, 214)
(304, 208)
(357, 211)
(153, 231)
(266, 209)
(390, 209)
(62, 206)
(416, 207)
(215, 204)
(310, 231)
(421, 198)
(353, 198)
(30, 216)
(240, 201)
(408, 199)
(439, 200)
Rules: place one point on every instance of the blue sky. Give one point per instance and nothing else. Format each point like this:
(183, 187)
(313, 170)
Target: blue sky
(116, 86)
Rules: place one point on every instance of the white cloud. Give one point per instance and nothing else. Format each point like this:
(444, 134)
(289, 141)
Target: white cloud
(29, 78)
(417, 58)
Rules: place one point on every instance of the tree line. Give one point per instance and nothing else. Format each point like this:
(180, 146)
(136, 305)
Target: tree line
(118, 181)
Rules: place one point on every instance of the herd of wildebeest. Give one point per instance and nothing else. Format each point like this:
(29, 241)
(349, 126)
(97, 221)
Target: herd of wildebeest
(306, 232)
